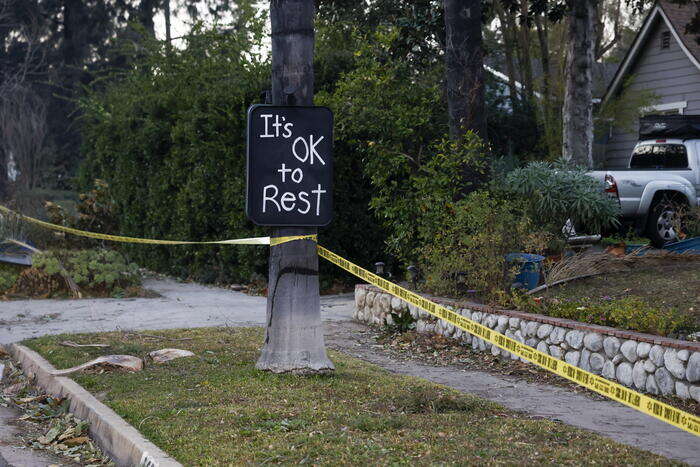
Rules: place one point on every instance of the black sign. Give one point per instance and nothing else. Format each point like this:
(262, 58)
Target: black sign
(290, 165)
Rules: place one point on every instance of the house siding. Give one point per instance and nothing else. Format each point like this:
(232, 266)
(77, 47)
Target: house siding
(669, 74)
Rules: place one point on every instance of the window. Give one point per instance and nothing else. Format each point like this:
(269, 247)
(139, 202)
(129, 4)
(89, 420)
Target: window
(666, 39)
(659, 156)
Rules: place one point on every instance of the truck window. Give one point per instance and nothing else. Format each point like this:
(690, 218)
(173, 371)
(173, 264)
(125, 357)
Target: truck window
(659, 156)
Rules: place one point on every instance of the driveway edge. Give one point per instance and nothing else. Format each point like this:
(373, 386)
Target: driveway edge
(124, 444)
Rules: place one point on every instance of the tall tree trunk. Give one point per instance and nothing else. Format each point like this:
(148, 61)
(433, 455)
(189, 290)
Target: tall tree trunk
(464, 67)
(523, 48)
(294, 334)
(508, 47)
(145, 13)
(166, 13)
(578, 108)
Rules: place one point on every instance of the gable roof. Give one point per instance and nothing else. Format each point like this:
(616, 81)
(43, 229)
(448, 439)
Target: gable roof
(675, 17)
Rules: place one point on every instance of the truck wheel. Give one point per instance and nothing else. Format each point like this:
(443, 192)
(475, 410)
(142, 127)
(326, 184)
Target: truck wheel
(663, 223)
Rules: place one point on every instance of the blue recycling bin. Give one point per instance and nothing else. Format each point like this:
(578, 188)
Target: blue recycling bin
(530, 267)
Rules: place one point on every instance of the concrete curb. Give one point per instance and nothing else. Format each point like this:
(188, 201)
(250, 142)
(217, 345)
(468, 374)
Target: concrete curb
(124, 444)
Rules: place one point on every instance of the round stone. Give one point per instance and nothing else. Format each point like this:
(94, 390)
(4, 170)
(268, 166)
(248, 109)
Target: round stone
(639, 375)
(574, 339)
(544, 331)
(557, 335)
(360, 294)
(609, 370)
(611, 345)
(596, 363)
(396, 304)
(593, 341)
(495, 350)
(531, 329)
(555, 351)
(694, 392)
(572, 357)
(617, 358)
(683, 355)
(624, 373)
(583, 363)
(491, 321)
(649, 366)
(674, 364)
(532, 342)
(542, 347)
(664, 381)
(692, 373)
(514, 323)
(682, 390)
(643, 349)
(656, 354)
(518, 336)
(502, 324)
(629, 350)
(651, 386)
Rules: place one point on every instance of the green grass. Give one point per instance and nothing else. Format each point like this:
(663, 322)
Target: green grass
(216, 409)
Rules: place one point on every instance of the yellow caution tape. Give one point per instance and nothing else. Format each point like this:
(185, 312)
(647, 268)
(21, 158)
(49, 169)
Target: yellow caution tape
(118, 238)
(610, 389)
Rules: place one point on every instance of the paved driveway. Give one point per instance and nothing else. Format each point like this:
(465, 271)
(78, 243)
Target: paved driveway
(181, 305)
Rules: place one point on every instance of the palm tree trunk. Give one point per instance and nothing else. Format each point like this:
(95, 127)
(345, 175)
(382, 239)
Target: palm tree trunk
(294, 334)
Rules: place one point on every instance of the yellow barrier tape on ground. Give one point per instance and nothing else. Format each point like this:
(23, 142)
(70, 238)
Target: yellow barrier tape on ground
(149, 241)
(610, 389)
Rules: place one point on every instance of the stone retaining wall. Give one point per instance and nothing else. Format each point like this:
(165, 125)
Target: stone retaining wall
(647, 363)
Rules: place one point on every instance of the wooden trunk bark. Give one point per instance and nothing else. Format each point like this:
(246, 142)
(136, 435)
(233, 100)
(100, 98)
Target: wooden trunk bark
(464, 67)
(294, 335)
(578, 108)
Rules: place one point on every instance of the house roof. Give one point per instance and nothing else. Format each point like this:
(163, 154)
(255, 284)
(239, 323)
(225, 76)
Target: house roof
(676, 17)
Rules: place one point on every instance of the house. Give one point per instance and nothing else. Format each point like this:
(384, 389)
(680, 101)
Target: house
(663, 59)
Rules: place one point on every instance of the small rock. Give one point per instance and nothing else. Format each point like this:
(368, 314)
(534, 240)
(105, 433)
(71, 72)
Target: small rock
(643, 349)
(532, 342)
(692, 373)
(674, 364)
(466, 338)
(491, 321)
(518, 336)
(609, 370)
(557, 335)
(694, 392)
(593, 341)
(555, 351)
(664, 381)
(629, 350)
(611, 345)
(531, 329)
(396, 304)
(495, 350)
(448, 328)
(542, 347)
(360, 294)
(544, 331)
(572, 357)
(482, 345)
(596, 363)
(683, 355)
(583, 362)
(574, 339)
(682, 390)
(514, 323)
(413, 310)
(617, 358)
(420, 326)
(458, 333)
(656, 354)
(649, 366)
(639, 375)
(502, 324)
(624, 373)
(476, 316)
(523, 326)
(651, 386)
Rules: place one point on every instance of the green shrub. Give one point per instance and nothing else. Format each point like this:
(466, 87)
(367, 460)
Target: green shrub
(8, 276)
(624, 313)
(555, 193)
(101, 271)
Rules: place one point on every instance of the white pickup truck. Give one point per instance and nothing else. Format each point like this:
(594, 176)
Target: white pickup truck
(663, 177)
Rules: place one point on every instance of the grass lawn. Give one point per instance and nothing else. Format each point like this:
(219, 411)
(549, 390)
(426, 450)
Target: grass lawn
(668, 285)
(216, 409)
